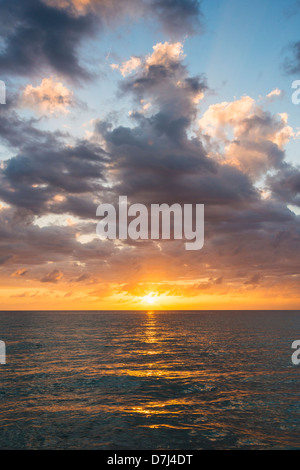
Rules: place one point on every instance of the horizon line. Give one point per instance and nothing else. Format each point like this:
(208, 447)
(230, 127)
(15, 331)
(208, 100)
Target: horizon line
(159, 310)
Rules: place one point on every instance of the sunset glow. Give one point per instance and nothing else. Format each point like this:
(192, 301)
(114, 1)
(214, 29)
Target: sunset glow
(149, 228)
(149, 298)
(179, 116)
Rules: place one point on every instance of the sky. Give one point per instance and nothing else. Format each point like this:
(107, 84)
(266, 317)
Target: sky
(162, 101)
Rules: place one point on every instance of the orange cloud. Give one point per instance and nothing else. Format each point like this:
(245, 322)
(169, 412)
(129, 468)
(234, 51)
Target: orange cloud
(165, 54)
(20, 272)
(49, 97)
(274, 93)
(253, 139)
(107, 8)
(53, 276)
(129, 66)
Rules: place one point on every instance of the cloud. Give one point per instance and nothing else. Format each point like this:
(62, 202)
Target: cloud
(166, 54)
(219, 115)
(155, 158)
(42, 36)
(106, 9)
(258, 137)
(285, 185)
(50, 97)
(128, 66)
(254, 280)
(4, 258)
(292, 65)
(44, 167)
(177, 17)
(38, 37)
(274, 93)
(53, 276)
(20, 273)
(164, 81)
(160, 156)
(158, 159)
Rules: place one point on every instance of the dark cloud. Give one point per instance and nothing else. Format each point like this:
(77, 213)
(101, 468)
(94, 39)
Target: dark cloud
(81, 278)
(20, 273)
(45, 167)
(164, 80)
(292, 65)
(23, 243)
(156, 159)
(254, 280)
(18, 132)
(167, 169)
(4, 258)
(53, 276)
(36, 36)
(285, 185)
(40, 35)
(179, 17)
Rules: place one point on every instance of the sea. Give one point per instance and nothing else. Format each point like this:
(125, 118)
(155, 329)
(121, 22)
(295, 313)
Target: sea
(157, 380)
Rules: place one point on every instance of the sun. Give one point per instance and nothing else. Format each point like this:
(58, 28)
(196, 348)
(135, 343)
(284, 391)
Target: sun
(150, 298)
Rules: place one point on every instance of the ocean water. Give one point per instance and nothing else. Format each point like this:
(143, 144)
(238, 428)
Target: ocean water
(149, 380)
